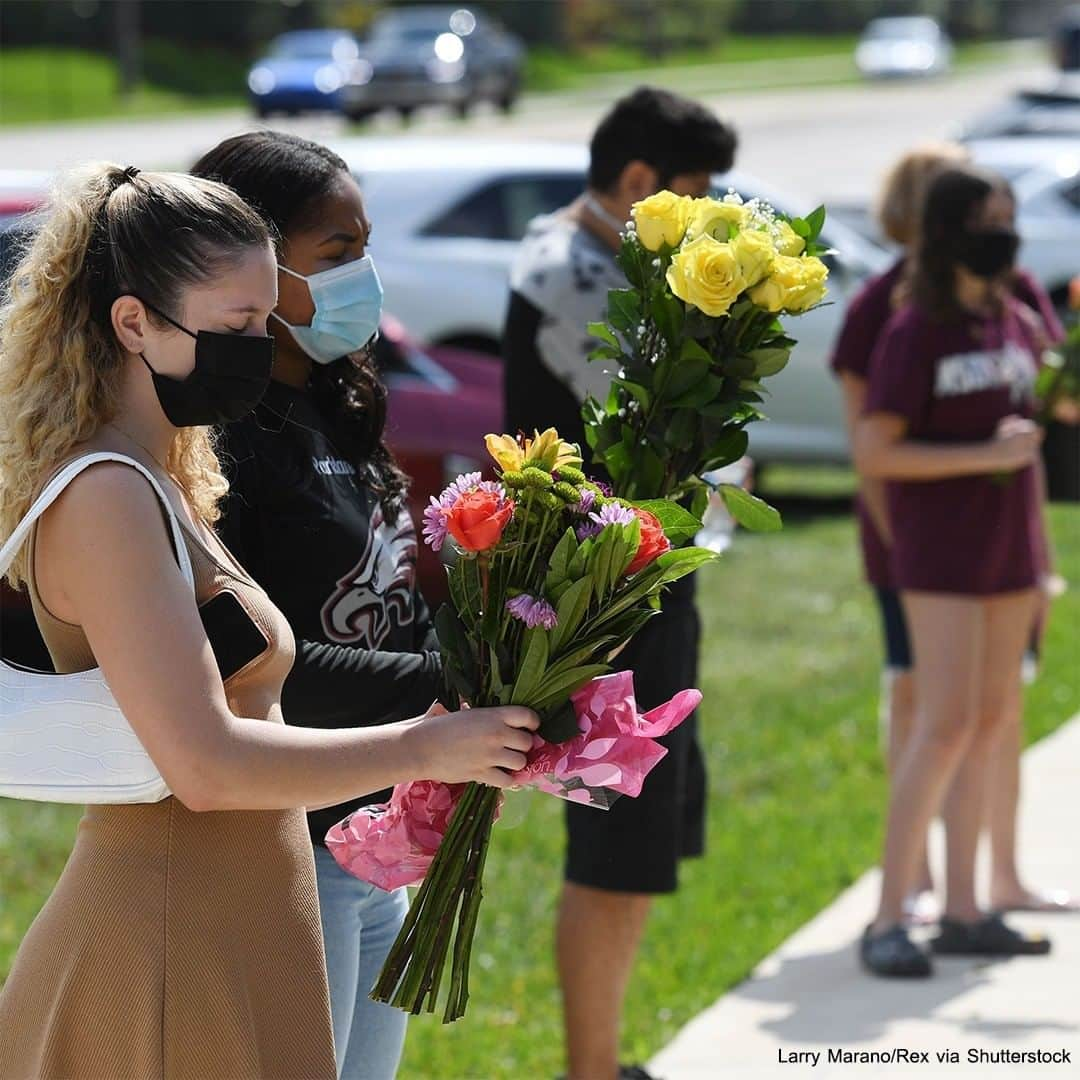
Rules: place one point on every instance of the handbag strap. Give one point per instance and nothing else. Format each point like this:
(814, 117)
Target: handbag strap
(54, 489)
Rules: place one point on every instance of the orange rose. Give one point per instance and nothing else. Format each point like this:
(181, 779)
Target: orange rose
(653, 541)
(476, 521)
(1074, 293)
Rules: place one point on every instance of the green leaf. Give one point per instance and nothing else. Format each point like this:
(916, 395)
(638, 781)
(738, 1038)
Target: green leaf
(534, 660)
(552, 691)
(749, 511)
(801, 227)
(571, 611)
(682, 428)
(769, 361)
(559, 723)
(698, 505)
(677, 564)
(697, 397)
(678, 524)
(688, 372)
(623, 553)
(604, 332)
(604, 352)
(816, 221)
(728, 448)
(624, 310)
(691, 350)
(559, 563)
(635, 390)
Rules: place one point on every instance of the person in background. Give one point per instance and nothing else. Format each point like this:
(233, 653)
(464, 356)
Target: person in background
(898, 211)
(947, 423)
(316, 512)
(619, 860)
(182, 939)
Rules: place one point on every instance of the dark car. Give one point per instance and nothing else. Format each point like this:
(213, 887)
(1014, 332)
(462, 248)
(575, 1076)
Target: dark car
(303, 71)
(433, 56)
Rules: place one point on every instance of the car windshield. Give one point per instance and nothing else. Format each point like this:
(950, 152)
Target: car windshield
(305, 48)
(900, 30)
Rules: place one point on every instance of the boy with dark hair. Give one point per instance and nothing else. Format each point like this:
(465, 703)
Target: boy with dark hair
(618, 859)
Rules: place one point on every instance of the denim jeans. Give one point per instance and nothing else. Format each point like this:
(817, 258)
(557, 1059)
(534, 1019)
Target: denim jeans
(360, 922)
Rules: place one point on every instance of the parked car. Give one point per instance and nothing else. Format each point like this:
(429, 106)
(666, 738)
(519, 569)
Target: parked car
(433, 56)
(1052, 111)
(303, 71)
(450, 216)
(907, 46)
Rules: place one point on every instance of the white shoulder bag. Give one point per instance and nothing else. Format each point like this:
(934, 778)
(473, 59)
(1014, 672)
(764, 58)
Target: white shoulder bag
(63, 738)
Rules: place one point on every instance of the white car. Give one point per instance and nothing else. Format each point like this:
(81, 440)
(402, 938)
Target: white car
(1045, 174)
(911, 45)
(448, 215)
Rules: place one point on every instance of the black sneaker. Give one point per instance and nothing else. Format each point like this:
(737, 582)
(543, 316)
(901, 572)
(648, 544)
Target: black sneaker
(635, 1072)
(991, 936)
(893, 955)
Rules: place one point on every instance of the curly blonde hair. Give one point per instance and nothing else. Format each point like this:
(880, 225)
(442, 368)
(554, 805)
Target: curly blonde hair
(107, 231)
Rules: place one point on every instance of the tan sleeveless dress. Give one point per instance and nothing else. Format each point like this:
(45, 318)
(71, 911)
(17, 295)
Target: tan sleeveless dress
(177, 945)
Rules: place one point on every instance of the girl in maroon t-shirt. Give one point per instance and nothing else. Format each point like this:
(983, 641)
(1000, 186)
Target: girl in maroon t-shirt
(947, 416)
(899, 211)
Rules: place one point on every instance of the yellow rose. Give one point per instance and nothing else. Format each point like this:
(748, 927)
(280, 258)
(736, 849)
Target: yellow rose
(661, 219)
(755, 253)
(706, 273)
(711, 217)
(794, 285)
(789, 242)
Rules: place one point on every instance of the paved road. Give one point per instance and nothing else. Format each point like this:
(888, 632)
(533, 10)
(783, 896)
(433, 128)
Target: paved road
(810, 997)
(827, 143)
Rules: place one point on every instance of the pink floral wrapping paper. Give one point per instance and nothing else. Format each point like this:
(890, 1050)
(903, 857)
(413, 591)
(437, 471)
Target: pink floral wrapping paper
(392, 844)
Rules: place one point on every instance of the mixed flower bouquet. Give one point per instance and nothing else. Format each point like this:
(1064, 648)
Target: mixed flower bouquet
(693, 337)
(553, 575)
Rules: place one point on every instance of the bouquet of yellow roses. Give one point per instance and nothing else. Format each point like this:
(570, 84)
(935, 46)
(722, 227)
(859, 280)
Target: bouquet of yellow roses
(693, 337)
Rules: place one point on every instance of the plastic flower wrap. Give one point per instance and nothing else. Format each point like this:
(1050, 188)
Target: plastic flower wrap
(693, 337)
(552, 575)
(394, 844)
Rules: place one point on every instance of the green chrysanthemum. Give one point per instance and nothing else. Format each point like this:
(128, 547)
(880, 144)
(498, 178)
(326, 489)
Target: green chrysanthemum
(571, 475)
(536, 478)
(567, 492)
(512, 478)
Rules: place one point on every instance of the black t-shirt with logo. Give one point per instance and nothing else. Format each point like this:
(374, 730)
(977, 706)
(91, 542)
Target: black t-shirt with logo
(301, 520)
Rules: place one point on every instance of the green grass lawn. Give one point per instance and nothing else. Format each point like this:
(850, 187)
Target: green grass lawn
(790, 675)
(43, 85)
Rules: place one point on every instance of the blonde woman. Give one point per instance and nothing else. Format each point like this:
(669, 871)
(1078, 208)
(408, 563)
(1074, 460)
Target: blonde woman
(183, 938)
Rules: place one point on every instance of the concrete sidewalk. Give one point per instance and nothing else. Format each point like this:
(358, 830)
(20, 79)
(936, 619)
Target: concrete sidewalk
(810, 997)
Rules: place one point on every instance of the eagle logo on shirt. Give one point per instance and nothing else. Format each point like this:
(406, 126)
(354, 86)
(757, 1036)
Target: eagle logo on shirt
(376, 594)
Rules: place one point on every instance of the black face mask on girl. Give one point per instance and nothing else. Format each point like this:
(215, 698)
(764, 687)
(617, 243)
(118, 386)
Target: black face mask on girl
(230, 377)
(988, 253)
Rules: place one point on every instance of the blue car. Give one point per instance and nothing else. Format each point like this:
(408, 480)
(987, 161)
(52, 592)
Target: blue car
(303, 71)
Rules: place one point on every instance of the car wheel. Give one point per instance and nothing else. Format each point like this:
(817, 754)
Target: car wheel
(463, 108)
(360, 116)
(406, 113)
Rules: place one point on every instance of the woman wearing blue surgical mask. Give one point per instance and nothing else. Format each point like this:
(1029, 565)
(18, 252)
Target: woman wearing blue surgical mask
(317, 515)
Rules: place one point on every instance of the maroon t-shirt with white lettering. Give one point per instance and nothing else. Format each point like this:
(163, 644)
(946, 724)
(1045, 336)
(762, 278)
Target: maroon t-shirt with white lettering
(866, 316)
(953, 381)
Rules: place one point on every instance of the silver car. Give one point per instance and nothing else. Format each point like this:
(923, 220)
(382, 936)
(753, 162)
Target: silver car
(904, 47)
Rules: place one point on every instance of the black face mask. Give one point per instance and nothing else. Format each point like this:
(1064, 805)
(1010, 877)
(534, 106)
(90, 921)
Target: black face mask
(230, 377)
(989, 253)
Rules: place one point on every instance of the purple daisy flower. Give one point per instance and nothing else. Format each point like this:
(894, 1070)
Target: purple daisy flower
(532, 611)
(613, 514)
(588, 500)
(461, 486)
(435, 528)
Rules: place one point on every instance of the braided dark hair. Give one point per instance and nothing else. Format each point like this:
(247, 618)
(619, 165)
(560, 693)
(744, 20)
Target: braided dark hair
(286, 178)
